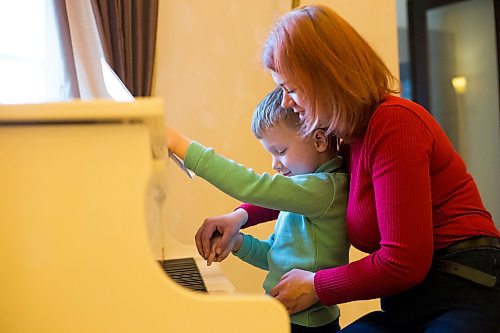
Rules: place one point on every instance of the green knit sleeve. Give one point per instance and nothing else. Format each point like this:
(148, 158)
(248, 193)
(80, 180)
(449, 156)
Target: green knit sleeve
(310, 195)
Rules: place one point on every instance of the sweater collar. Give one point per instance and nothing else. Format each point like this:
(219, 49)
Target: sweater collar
(335, 164)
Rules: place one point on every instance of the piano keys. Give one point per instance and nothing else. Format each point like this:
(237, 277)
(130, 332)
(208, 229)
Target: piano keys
(185, 272)
(74, 243)
(194, 274)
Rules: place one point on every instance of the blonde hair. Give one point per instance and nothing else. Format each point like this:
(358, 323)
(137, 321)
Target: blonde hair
(341, 76)
(269, 113)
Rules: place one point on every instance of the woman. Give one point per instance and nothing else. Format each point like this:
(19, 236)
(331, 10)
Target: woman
(433, 250)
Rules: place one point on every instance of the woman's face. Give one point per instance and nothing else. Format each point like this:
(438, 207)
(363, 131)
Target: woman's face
(293, 97)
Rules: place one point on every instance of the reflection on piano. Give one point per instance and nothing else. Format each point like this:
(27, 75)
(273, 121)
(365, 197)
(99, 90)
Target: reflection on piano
(75, 212)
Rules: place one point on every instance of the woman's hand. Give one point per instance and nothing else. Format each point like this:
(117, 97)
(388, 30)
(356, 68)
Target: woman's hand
(296, 290)
(227, 226)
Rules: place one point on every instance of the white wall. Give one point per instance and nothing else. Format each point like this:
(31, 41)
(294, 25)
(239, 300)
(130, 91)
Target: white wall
(208, 71)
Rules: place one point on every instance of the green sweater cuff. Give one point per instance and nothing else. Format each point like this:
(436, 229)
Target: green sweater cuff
(193, 155)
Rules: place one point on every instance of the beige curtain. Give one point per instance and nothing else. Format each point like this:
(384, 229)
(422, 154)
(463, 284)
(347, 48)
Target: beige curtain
(128, 33)
(70, 88)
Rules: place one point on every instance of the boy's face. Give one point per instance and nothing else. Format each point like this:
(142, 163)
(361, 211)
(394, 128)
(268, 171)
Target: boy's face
(292, 155)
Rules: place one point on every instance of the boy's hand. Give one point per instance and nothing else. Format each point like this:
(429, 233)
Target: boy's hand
(212, 256)
(226, 226)
(176, 142)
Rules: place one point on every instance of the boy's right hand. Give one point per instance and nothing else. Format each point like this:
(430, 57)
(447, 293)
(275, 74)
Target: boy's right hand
(226, 226)
(176, 142)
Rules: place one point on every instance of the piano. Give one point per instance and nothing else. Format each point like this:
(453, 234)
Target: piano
(83, 184)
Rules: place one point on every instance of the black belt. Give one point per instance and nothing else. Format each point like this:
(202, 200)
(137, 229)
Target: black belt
(469, 243)
(463, 271)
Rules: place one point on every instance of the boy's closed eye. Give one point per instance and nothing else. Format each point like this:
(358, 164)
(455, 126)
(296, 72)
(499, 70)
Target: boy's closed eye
(281, 152)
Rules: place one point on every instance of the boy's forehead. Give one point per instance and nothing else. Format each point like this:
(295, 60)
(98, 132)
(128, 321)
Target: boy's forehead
(283, 128)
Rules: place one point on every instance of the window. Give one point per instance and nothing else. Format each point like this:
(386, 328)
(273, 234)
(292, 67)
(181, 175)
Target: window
(30, 62)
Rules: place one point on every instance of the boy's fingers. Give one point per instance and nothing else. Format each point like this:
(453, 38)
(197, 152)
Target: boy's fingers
(223, 245)
(211, 258)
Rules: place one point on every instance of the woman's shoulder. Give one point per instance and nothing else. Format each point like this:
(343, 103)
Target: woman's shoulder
(395, 102)
(402, 111)
(399, 119)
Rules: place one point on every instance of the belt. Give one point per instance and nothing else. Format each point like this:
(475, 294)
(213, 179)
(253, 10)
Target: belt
(468, 243)
(463, 271)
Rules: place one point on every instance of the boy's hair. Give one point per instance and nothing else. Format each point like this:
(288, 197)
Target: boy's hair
(269, 113)
(340, 74)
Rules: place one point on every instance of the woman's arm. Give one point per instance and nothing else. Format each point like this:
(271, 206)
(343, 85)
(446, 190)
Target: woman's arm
(257, 215)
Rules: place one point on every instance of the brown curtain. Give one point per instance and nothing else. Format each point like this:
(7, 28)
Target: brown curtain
(128, 33)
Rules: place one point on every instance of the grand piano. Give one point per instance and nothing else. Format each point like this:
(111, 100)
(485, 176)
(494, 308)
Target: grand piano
(82, 185)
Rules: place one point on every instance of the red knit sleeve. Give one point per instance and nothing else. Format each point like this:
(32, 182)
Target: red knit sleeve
(257, 215)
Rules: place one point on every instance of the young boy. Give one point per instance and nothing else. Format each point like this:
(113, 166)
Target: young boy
(310, 191)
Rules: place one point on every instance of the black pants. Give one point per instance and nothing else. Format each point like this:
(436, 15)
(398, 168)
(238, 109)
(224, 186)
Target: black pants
(331, 327)
(442, 302)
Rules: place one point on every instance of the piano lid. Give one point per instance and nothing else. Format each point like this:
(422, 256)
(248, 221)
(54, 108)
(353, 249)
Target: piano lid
(145, 110)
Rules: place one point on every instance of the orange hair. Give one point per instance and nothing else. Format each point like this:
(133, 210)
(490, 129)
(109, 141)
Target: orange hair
(340, 75)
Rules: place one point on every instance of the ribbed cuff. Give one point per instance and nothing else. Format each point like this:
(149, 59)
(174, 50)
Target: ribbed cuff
(193, 155)
(245, 248)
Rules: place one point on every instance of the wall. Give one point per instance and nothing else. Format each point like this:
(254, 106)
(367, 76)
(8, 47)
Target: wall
(208, 71)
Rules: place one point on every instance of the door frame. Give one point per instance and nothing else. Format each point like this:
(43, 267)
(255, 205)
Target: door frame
(417, 32)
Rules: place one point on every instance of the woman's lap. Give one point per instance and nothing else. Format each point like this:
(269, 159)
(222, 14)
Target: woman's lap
(443, 302)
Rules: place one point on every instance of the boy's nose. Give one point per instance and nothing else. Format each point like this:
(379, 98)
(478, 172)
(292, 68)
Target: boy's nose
(277, 165)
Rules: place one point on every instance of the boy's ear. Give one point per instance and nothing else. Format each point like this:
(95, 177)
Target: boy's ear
(320, 140)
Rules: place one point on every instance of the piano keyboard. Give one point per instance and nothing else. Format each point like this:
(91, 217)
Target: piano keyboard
(185, 272)
(194, 274)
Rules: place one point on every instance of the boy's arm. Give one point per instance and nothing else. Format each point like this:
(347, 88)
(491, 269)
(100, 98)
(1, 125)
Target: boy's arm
(301, 194)
(245, 247)
(245, 185)
(254, 251)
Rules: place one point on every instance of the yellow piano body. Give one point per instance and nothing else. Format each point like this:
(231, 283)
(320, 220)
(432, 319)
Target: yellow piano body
(74, 249)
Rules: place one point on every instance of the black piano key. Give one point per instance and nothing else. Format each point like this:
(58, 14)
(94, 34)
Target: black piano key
(185, 272)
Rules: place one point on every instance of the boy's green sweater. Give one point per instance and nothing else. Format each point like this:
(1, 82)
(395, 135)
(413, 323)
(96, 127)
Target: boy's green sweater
(310, 232)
